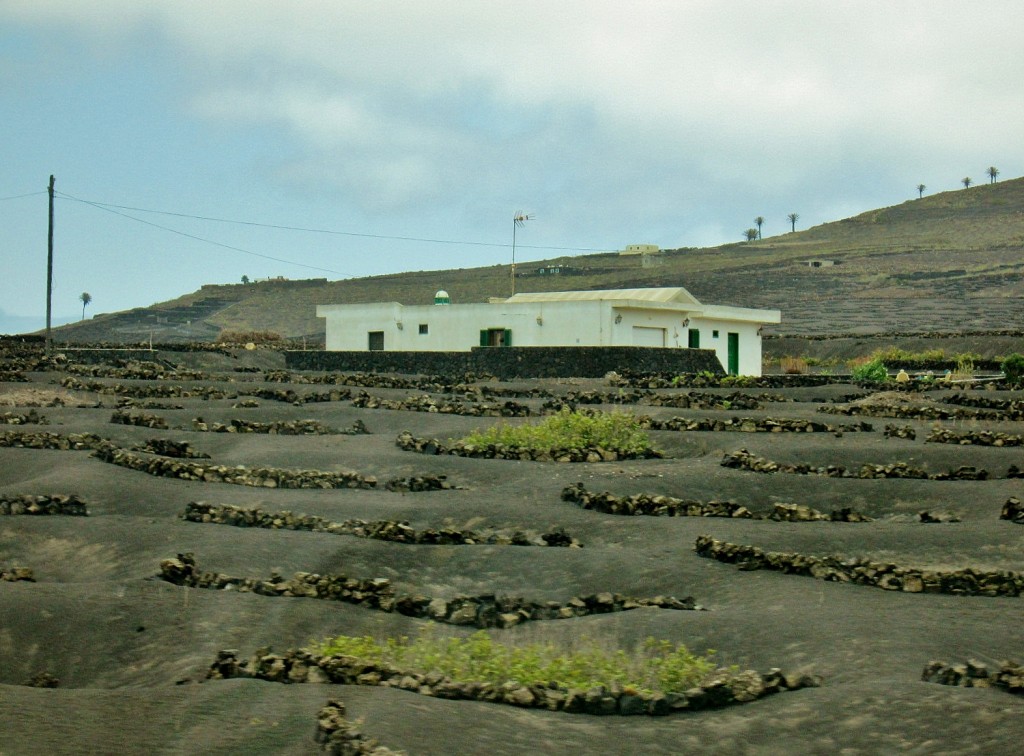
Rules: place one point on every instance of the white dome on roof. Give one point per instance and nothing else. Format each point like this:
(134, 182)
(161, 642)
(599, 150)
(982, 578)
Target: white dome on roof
(442, 298)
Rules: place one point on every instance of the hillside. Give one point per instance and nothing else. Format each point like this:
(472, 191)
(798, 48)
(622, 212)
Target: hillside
(951, 261)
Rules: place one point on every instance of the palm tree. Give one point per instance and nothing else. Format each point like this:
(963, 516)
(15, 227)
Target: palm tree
(992, 173)
(920, 190)
(759, 221)
(750, 234)
(793, 218)
(86, 298)
(966, 181)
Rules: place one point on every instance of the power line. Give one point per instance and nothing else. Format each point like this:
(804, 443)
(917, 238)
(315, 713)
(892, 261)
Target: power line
(109, 206)
(19, 196)
(99, 206)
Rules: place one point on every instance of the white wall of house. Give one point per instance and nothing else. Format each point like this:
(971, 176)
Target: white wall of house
(714, 334)
(571, 322)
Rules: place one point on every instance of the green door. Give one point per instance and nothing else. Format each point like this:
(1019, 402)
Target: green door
(694, 338)
(734, 354)
(499, 337)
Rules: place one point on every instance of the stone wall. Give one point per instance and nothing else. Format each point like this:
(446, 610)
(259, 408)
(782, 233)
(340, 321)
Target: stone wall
(383, 530)
(93, 356)
(975, 674)
(55, 504)
(723, 687)
(744, 460)
(658, 505)
(483, 611)
(515, 362)
(890, 577)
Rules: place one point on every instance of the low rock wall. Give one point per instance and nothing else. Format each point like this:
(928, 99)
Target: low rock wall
(146, 391)
(973, 438)
(338, 735)
(53, 504)
(744, 460)
(515, 362)
(724, 687)
(652, 505)
(381, 530)
(481, 611)
(427, 403)
(891, 577)
(16, 574)
(1011, 409)
(104, 355)
(140, 419)
(750, 425)
(1013, 511)
(292, 397)
(900, 431)
(276, 428)
(29, 418)
(911, 412)
(697, 379)
(167, 447)
(45, 440)
(668, 506)
(975, 674)
(143, 371)
(407, 442)
(265, 477)
(435, 383)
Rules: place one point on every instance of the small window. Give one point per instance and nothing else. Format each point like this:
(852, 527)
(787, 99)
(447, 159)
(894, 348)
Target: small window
(376, 341)
(714, 334)
(424, 329)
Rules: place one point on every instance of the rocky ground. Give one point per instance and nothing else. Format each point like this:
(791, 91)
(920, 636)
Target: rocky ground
(129, 652)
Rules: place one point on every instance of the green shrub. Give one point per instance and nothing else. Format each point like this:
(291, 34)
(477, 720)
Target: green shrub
(872, 371)
(1013, 368)
(615, 431)
(654, 666)
(964, 366)
(896, 356)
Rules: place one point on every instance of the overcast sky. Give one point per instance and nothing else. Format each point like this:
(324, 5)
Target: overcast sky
(669, 123)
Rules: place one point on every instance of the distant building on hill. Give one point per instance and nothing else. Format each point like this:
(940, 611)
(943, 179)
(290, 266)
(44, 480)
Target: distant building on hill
(640, 249)
(652, 317)
(557, 270)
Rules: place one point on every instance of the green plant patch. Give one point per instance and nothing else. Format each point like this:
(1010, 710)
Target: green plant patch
(873, 371)
(1013, 368)
(615, 431)
(655, 666)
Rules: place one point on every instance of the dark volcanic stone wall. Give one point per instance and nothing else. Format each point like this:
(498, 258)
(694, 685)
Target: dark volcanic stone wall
(515, 362)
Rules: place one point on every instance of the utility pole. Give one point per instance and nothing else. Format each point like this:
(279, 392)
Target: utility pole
(49, 274)
(517, 222)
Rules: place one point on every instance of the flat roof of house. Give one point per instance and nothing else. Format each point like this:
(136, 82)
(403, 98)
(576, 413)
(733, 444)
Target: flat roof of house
(674, 294)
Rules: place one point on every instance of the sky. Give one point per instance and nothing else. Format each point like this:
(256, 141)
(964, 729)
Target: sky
(197, 142)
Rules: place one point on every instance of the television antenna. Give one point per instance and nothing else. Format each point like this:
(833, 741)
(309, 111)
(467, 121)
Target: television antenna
(518, 221)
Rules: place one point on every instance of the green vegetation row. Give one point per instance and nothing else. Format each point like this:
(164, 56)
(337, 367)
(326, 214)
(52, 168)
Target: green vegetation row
(655, 666)
(615, 431)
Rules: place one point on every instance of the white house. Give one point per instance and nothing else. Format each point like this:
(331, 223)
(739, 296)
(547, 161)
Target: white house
(662, 317)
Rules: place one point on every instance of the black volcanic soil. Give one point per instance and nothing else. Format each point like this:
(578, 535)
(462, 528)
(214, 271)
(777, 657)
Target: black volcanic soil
(131, 651)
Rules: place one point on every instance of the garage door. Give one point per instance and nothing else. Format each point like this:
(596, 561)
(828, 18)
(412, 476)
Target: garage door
(651, 337)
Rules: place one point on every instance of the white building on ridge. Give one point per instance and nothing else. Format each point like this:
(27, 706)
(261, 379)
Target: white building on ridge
(653, 317)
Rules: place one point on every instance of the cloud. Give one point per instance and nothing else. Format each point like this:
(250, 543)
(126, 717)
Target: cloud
(399, 104)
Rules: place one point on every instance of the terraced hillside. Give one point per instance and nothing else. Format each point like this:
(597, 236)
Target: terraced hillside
(951, 261)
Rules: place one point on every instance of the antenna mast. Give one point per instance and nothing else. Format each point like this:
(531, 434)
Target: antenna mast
(517, 222)
(49, 273)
